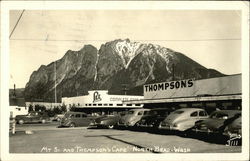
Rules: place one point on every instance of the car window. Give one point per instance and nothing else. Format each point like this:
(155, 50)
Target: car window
(130, 112)
(78, 115)
(140, 113)
(83, 115)
(194, 114)
(202, 113)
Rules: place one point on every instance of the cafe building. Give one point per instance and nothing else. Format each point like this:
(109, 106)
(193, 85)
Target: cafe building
(100, 101)
(210, 94)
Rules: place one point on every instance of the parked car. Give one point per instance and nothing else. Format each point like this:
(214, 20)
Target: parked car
(218, 121)
(74, 119)
(58, 117)
(33, 117)
(235, 128)
(183, 119)
(132, 117)
(153, 118)
(107, 121)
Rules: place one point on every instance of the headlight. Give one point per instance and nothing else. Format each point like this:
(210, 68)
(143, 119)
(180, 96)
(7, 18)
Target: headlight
(102, 122)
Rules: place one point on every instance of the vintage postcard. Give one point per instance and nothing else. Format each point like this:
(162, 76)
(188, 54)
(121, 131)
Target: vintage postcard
(135, 80)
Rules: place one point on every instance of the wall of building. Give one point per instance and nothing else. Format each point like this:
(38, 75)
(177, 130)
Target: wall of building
(228, 85)
(101, 99)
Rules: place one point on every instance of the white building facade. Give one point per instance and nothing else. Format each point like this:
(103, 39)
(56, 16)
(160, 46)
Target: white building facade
(100, 99)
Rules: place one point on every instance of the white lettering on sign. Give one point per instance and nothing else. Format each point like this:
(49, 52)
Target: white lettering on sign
(96, 97)
(168, 85)
(122, 99)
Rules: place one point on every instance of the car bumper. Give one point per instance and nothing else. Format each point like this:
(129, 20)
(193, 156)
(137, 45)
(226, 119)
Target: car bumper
(145, 126)
(168, 127)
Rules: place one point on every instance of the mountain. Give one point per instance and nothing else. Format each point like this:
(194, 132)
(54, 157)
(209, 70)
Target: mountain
(117, 65)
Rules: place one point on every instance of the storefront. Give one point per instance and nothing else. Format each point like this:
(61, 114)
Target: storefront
(221, 93)
(99, 101)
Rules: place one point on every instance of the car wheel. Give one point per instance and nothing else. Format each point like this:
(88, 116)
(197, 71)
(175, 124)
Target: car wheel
(72, 125)
(43, 121)
(20, 121)
(110, 126)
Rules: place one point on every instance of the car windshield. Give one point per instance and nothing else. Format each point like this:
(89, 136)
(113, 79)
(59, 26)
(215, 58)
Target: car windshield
(151, 112)
(68, 115)
(178, 112)
(219, 116)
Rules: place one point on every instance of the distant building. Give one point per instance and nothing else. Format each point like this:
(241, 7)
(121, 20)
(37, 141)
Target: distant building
(17, 106)
(101, 101)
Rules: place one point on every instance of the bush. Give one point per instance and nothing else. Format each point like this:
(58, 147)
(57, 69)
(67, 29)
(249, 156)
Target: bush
(40, 108)
(30, 108)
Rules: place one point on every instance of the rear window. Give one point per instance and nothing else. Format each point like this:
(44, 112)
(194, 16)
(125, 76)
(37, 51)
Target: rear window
(78, 115)
(194, 114)
(178, 112)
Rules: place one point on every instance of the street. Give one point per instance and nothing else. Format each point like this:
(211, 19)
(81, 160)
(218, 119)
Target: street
(47, 138)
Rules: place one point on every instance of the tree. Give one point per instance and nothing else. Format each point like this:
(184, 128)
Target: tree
(40, 108)
(64, 108)
(30, 108)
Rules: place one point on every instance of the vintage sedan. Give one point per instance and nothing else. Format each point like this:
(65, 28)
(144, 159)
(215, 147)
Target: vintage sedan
(106, 121)
(33, 117)
(183, 119)
(234, 128)
(132, 117)
(218, 121)
(74, 119)
(153, 118)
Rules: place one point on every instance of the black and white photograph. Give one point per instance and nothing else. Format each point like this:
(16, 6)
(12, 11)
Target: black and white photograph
(128, 80)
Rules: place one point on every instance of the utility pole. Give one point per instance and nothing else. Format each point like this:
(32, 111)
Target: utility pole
(173, 70)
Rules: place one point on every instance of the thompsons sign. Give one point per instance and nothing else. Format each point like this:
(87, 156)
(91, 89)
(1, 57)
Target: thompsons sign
(168, 85)
(192, 88)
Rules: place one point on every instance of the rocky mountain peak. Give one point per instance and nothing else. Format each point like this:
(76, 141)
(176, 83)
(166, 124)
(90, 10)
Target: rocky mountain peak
(116, 63)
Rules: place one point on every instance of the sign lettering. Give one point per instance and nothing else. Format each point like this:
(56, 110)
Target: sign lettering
(96, 97)
(168, 85)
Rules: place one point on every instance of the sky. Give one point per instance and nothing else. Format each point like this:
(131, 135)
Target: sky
(210, 37)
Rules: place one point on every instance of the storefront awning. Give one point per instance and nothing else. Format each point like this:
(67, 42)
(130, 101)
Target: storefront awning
(186, 99)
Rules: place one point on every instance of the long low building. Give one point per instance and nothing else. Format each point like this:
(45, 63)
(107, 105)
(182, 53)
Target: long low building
(101, 101)
(221, 92)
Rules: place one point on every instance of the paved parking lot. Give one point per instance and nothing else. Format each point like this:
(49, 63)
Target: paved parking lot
(47, 138)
